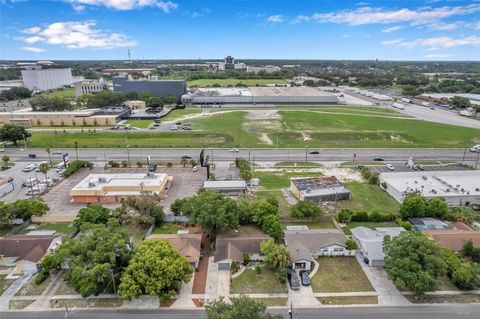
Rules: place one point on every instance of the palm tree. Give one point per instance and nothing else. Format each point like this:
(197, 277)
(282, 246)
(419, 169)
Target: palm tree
(75, 144)
(49, 155)
(184, 162)
(44, 169)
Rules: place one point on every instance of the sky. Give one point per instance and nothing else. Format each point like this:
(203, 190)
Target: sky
(266, 29)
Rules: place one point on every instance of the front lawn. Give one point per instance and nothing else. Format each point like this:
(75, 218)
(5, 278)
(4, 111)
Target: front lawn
(32, 289)
(249, 282)
(347, 229)
(340, 274)
(349, 300)
(280, 179)
(366, 197)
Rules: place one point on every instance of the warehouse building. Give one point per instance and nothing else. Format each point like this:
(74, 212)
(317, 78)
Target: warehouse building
(259, 95)
(36, 78)
(90, 86)
(111, 188)
(226, 187)
(458, 188)
(160, 88)
(319, 189)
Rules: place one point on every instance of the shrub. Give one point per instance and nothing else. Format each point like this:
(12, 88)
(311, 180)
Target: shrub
(258, 269)
(366, 173)
(360, 217)
(246, 258)
(74, 166)
(345, 216)
(41, 277)
(113, 164)
(374, 179)
(306, 209)
(234, 267)
(351, 244)
(245, 170)
(281, 274)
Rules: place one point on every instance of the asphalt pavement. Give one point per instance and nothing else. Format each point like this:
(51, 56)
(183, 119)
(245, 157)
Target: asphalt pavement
(450, 311)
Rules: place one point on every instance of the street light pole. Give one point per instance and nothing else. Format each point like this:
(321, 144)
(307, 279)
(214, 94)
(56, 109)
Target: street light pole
(128, 151)
(24, 141)
(306, 153)
(290, 311)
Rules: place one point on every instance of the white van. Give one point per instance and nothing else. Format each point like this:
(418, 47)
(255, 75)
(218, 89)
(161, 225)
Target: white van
(475, 149)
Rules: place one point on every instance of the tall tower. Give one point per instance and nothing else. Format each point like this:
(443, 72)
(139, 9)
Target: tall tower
(129, 56)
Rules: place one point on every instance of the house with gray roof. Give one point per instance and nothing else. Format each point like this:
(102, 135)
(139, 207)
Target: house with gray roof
(307, 244)
(370, 242)
(232, 247)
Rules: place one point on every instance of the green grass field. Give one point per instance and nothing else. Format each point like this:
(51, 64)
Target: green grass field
(233, 82)
(175, 114)
(366, 197)
(279, 180)
(139, 123)
(63, 93)
(249, 282)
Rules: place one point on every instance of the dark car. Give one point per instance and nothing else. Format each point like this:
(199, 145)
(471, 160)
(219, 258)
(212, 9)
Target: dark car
(293, 280)
(32, 155)
(378, 159)
(186, 157)
(305, 278)
(419, 167)
(314, 152)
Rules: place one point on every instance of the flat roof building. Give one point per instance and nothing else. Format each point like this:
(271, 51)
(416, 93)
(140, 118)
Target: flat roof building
(458, 188)
(87, 87)
(319, 189)
(36, 78)
(111, 188)
(159, 88)
(226, 187)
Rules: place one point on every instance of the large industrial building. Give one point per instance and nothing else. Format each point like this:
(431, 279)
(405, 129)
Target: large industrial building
(458, 188)
(259, 95)
(111, 188)
(38, 79)
(90, 86)
(319, 189)
(160, 88)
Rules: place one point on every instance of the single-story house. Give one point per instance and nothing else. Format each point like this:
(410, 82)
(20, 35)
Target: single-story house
(306, 244)
(370, 242)
(188, 245)
(454, 239)
(428, 223)
(232, 247)
(25, 252)
(231, 187)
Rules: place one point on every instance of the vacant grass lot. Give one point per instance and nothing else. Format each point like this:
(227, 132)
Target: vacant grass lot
(249, 282)
(63, 93)
(32, 289)
(233, 82)
(4, 283)
(340, 274)
(283, 206)
(372, 225)
(64, 229)
(175, 114)
(368, 198)
(140, 123)
(281, 179)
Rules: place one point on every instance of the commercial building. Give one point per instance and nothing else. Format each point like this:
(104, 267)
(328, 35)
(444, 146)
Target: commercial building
(187, 245)
(370, 242)
(458, 188)
(230, 64)
(111, 188)
(453, 238)
(38, 79)
(88, 87)
(160, 88)
(305, 245)
(226, 187)
(28, 118)
(319, 189)
(135, 104)
(259, 95)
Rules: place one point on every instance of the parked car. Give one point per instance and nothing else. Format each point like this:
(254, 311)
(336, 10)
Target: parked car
(187, 128)
(156, 120)
(305, 278)
(293, 280)
(378, 159)
(30, 182)
(29, 168)
(31, 155)
(390, 167)
(173, 128)
(314, 152)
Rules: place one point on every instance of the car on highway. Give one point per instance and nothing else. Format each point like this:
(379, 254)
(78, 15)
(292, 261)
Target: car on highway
(475, 148)
(390, 167)
(187, 128)
(31, 155)
(314, 152)
(186, 157)
(29, 168)
(432, 108)
(378, 159)
(57, 153)
(234, 150)
(418, 167)
(293, 279)
(305, 278)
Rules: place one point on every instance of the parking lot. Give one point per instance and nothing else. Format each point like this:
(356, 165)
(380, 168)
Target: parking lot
(399, 167)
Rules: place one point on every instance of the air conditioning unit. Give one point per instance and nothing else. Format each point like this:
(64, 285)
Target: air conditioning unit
(102, 179)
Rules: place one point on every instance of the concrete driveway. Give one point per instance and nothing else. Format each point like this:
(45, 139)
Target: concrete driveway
(12, 290)
(303, 297)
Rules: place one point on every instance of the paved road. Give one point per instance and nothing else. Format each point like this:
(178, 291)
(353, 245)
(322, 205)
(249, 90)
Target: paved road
(417, 312)
(259, 155)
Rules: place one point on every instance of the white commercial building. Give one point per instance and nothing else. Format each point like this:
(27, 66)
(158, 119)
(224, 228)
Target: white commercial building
(457, 187)
(36, 78)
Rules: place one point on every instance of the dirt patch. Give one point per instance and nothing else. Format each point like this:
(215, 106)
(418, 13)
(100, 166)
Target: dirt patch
(254, 126)
(306, 137)
(263, 115)
(265, 139)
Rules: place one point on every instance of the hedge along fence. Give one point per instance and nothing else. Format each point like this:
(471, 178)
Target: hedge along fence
(347, 216)
(75, 166)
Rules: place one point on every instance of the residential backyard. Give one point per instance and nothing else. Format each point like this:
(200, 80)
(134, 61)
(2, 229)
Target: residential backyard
(251, 282)
(60, 228)
(340, 274)
(347, 229)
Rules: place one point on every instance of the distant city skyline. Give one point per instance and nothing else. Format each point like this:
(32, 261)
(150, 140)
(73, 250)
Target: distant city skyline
(303, 29)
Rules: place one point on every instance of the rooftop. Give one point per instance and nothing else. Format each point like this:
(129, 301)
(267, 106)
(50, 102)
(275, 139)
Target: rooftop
(238, 184)
(302, 243)
(234, 245)
(454, 239)
(26, 247)
(100, 181)
(187, 245)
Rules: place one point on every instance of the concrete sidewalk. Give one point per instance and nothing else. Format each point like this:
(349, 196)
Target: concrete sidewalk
(12, 290)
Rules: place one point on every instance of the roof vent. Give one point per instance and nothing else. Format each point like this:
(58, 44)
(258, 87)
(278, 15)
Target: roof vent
(102, 179)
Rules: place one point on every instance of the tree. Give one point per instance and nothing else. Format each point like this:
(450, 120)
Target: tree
(145, 209)
(50, 262)
(156, 269)
(44, 170)
(49, 151)
(26, 208)
(242, 307)
(306, 209)
(437, 207)
(176, 206)
(276, 256)
(413, 205)
(13, 133)
(6, 160)
(97, 259)
(43, 103)
(272, 226)
(463, 214)
(414, 261)
(93, 214)
(460, 102)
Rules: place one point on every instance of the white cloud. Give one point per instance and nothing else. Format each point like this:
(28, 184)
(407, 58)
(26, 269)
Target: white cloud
(443, 26)
(299, 19)
(33, 49)
(31, 30)
(78, 7)
(77, 35)
(372, 15)
(436, 42)
(278, 18)
(165, 6)
(439, 56)
(392, 29)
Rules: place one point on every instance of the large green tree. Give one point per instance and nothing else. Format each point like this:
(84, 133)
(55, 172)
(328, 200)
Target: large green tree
(156, 269)
(414, 262)
(93, 214)
(437, 207)
(241, 307)
(413, 205)
(26, 208)
(276, 256)
(306, 209)
(13, 133)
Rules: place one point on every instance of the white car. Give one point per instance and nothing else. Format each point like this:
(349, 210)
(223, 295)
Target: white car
(235, 150)
(390, 167)
(57, 153)
(29, 168)
(475, 149)
(173, 128)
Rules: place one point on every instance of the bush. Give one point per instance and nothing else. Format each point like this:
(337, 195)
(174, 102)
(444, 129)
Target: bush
(234, 267)
(75, 166)
(41, 277)
(113, 164)
(351, 244)
(345, 216)
(246, 258)
(258, 269)
(374, 179)
(281, 274)
(306, 209)
(360, 217)
(366, 173)
(245, 169)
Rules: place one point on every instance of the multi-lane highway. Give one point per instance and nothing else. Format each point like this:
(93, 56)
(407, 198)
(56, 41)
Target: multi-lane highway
(259, 155)
(456, 311)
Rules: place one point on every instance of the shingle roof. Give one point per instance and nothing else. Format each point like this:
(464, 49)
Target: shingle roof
(302, 243)
(233, 246)
(187, 245)
(454, 239)
(26, 247)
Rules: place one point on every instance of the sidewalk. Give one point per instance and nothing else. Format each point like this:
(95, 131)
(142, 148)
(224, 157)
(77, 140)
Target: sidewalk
(12, 290)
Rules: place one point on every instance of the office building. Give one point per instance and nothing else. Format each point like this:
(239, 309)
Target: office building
(89, 87)
(38, 79)
(160, 88)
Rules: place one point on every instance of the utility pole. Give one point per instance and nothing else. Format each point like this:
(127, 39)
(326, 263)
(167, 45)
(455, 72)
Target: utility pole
(75, 144)
(105, 156)
(476, 163)
(249, 149)
(306, 153)
(463, 158)
(128, 151)
(24, 141)
(290, 311)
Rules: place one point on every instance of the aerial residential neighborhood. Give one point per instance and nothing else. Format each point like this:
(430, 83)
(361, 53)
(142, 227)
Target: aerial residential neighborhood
(239, 159)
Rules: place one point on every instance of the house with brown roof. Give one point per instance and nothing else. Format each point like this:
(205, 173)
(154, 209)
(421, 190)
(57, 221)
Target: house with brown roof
(234, 246)
(453, 238)
(25, 252)
(187, 245)
(307, 244)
